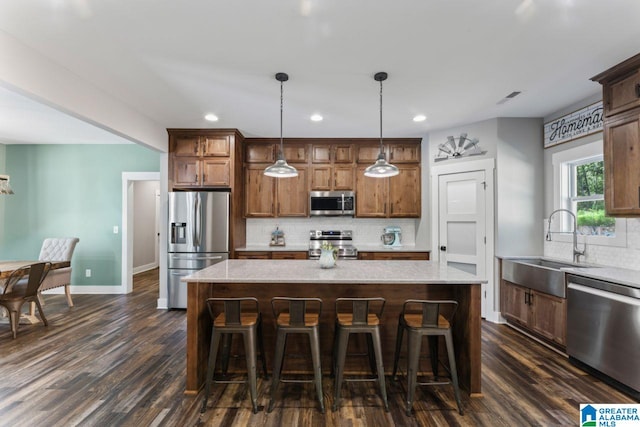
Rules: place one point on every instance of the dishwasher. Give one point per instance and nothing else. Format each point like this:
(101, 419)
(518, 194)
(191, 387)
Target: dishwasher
(603, 329)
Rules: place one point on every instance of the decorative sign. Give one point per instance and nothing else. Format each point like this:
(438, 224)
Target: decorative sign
(580, 123)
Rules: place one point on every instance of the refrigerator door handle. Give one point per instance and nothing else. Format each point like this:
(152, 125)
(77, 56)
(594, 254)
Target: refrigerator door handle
(194, 222)
(196, 258)
(199, 223)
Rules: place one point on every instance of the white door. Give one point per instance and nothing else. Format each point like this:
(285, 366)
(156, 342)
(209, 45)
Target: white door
(462, 223)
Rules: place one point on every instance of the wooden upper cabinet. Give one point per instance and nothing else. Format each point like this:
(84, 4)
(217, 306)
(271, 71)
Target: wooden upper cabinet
(186, 171)
(216, 172)
(405, 193)
(621, 147)
(332, 153)
(321, 177)
(343, 153)
(367, 153)
(371, 195)
(296, 153)
(343, 177)
(260, 192)
(622, 164)
(219, 146)
(186, 146)
(293, 195)
(404, 153)
(260, 153)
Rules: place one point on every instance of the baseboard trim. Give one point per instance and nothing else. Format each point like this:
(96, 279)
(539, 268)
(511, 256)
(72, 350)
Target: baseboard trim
(163, 304)
(146, 267)
(106, 290)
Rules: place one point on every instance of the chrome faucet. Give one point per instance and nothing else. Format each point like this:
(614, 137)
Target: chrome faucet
(576, 252)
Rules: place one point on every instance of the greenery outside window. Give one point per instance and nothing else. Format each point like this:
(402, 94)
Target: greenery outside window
(586, 197)
(578, 185)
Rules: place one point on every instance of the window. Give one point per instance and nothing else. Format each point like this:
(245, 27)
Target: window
(586, 197)
(578, 185)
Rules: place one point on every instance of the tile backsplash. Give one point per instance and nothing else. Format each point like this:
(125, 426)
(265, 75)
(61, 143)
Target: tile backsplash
(612, 256)
(296, 230)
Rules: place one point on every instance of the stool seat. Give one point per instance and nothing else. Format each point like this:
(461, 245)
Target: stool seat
(346, 319)
(420, 318)
(246, 319)
(415, 321)
(297, 316)
(310, 319)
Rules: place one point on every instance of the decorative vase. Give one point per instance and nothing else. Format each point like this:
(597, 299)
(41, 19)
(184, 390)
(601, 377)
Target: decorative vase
(328, 258)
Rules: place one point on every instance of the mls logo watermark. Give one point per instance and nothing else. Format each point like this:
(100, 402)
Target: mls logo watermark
(609, 415)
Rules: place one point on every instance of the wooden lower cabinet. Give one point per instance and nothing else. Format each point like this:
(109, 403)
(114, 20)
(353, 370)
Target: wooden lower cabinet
(271, 255)
(407, 256)
(543, 314)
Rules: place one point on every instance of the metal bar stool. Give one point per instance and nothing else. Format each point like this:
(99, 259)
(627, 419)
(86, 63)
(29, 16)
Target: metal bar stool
(296, 316)
(422, 318)
(358, 316)
(238, 316)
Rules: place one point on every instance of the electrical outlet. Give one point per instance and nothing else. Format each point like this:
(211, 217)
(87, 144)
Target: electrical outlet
(115, 229)
(87, 272)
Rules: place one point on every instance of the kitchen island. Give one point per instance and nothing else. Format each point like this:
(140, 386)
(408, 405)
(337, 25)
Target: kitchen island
(396, 281)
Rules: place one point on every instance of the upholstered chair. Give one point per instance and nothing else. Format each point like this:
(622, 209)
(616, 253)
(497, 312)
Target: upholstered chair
(58, 249)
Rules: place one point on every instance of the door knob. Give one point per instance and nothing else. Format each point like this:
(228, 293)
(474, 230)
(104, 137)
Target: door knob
(443, 248)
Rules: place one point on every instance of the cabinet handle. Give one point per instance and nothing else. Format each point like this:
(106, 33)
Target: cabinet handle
(530, 298)
(196, 180)
(195, 147)
(391, 208)
(526, 298)
(385, 208)
(638, 90)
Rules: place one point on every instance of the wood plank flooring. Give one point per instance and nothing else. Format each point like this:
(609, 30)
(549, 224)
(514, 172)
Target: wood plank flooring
(117, 360)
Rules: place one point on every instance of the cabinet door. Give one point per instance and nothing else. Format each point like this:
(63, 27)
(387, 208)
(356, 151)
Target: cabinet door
(622, 164)
(404, 193)
(288, 255)
(367, 153)
(260, 153)
(321, 153)
(260, 192)
(371, 195)
(321, 177)
(216, 172)
(343, 177)
(623, 94)
(548, 316)
(253, 255)
(513, 303)
(404, 153)
(343, 153)
(218, 146)
(296, 153)
(186, 171)
(186, 146)
(293, 196)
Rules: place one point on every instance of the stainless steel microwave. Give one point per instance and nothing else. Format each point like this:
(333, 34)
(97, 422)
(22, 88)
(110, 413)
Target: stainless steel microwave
(332, 203)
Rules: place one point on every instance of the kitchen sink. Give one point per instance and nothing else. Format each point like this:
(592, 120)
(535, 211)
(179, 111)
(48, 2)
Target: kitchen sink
(542, 274)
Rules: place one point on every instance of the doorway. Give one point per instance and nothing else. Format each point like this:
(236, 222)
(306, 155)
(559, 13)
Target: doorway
(128, 223)
(462, 224)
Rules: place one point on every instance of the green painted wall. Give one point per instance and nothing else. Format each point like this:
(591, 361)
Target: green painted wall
(3, 171)
(71, 191)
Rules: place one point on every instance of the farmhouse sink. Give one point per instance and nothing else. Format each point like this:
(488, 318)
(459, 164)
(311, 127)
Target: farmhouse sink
(542, 274)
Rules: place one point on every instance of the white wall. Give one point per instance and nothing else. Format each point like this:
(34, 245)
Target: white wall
(144, 225)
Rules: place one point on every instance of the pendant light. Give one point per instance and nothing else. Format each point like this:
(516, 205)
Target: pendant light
(280, 169)
(381, 168)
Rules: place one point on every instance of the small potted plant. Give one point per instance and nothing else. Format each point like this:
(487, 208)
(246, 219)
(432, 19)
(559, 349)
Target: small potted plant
(328, 255)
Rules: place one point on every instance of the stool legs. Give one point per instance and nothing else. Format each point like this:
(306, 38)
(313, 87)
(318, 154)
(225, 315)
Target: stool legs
(252, 362)
(314, 339)
(373, 343)
(414, 341)
(454, 372)
(396, 357)
(278, 359)
(213, 353)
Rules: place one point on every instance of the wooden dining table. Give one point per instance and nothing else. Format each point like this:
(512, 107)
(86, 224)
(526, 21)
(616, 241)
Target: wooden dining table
(8, 267)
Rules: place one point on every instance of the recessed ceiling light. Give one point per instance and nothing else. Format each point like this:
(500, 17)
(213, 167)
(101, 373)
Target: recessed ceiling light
(316, 118)
(420, 118)
(211, 117)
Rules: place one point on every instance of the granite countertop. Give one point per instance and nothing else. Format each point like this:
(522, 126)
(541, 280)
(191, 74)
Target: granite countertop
(305, 248)
(309, 271)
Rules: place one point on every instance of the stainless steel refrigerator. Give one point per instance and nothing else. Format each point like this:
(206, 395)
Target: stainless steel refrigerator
(198, 237)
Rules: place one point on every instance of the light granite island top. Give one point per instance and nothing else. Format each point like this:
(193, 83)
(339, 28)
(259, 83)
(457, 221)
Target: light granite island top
(396, 281)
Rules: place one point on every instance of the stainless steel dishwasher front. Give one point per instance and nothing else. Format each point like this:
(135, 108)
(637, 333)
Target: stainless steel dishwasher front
(603, 328)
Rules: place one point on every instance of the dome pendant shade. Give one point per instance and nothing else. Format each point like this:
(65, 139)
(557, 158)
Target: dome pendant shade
(281, 169)
(381, 168)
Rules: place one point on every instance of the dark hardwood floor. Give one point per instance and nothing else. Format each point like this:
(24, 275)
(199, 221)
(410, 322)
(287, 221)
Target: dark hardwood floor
(117, 360)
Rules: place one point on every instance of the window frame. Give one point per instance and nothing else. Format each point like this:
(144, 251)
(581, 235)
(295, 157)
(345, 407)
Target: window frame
(562, 162)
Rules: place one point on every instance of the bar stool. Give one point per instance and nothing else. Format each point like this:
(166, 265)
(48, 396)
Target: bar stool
(422, 318)
(358, 316)
(238, 316)
(296, 316)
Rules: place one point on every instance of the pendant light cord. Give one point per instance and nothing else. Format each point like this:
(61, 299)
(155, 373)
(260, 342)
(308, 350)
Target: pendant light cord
(381, 148)
(281, 102)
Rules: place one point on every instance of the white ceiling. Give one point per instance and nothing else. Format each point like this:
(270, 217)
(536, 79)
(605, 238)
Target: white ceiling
(453, 61)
